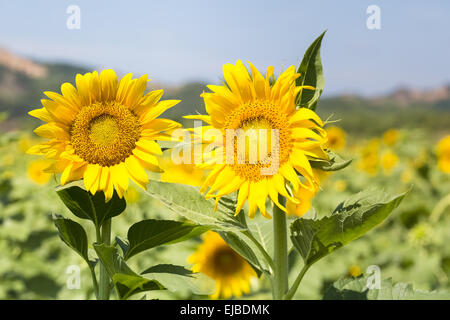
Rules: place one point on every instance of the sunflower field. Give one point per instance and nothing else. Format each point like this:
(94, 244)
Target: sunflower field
(104, 197)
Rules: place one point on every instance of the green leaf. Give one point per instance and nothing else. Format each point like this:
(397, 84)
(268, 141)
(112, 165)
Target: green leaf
(314, 239)
(123, 244)
(87, 206)
(125, 280)
(238, 243)
(73, 235)
(177, 278)
(311, 74)
(191, 204)
(357, 289)
(151, 233)
(334, 163)
(260, 230)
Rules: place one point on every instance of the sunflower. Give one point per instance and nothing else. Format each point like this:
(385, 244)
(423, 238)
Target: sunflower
(389, 161)
(249, 105)
(390, 137)
(305, 195)
(184, 173)
(36, 172)
(103, 131)
(336, 138)
(370, 160)
(216, 259)
(443, 154)
(354, 271)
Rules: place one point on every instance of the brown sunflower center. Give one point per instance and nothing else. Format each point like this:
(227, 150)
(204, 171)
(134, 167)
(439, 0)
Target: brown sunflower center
(226, 261)
(105, 133)
(261, 138)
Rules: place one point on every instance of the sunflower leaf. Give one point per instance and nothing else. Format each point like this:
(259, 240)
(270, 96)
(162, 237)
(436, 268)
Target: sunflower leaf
(125, 280)
(311, 74)
(361, 289)
(334, 162)
(73, 235)
(315, 239)
(91, 207)
(191, 204)
(238, 243)
(147, 234)
(178, 278)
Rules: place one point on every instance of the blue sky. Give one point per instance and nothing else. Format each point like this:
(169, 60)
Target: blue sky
(178, 41)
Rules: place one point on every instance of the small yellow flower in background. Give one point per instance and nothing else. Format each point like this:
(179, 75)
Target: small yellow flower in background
(184, 173)
(103, 131)
(370, 159)
(250, 103)
(407, 175)
(37, 171)
(337, 138)
(421, 234)
(340, 185)
(24, 143)
(443, 154)
(354, 271)
(216, 259)
(132, 195)
(389, 161)
(390, 137)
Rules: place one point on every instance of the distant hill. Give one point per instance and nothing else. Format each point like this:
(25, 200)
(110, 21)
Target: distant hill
(22, 83)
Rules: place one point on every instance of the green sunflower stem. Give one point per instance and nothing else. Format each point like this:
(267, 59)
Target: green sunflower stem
(280, 280)
(104, 285)
(297, 281)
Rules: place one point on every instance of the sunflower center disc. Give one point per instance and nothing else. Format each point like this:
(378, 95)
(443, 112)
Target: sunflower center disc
(227, 261)
(104, 130)
(105, 133)
(262, 140)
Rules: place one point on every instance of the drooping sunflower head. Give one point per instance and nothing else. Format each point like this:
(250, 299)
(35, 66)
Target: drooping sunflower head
(103, 131)
(265, 142)
(217, 260)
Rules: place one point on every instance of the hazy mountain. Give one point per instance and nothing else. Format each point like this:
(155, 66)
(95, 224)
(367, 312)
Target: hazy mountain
(23, 81)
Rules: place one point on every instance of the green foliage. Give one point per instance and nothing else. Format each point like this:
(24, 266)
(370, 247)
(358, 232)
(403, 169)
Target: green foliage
(334, 163)
(189, 203)
(147, 234)
(177, 278)
(311, 74)
(73, 234)
(125, 280)
(163, 276)
(87, 206)
(357, 289)
(315, 239)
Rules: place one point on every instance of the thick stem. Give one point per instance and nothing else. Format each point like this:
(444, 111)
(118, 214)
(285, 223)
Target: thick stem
(104, 289)
(297, 281)
(280, 280)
